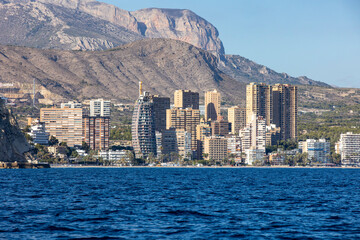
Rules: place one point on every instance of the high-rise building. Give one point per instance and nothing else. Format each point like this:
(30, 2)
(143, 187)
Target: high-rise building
(285, 110)
(237, 118)
(96, 132)
(203, 130)
(253, 139)
(176, 141)
(63, 123)
(100, 107)
(143, 127)
(71, 104)
(215, 147)
(212, 105)
(220, 127)
(160, 104)
(186, 119)
(318, 150)
(349, 148)
(186, 99)
(259, 101)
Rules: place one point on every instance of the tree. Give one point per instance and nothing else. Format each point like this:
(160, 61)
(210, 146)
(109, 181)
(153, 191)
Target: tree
(85, 146)
(53, 141)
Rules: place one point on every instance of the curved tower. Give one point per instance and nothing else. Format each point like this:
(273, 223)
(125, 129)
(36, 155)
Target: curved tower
(143, 127)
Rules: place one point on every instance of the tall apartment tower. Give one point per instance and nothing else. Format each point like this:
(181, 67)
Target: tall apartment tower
(212, 105)
(186, 119)
(259, 101)
(100, 107)
(160, 104)
(253, 139)
(143, 126)
(203, 130)
(237, 118)
(186, 99)
(63, 123)
(96, 132)
(285, 110)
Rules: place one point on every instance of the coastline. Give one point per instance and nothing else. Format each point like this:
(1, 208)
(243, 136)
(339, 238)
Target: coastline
(210, 167)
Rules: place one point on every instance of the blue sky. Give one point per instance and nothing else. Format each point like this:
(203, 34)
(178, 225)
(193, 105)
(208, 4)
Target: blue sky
(316, 38)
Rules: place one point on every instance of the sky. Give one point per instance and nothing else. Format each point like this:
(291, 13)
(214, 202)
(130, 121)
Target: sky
(319, 39)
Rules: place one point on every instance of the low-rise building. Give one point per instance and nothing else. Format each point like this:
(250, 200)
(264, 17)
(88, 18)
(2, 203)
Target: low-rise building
(118, 155)
(317, 150)
(39, 134)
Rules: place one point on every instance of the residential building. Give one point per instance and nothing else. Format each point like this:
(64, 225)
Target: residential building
(317, 150)
(220, 127)
(272, 135)
(253, 139)
(215, 148)
(349, 148)
(186, 99)
(143, 127)
(100, 107)
(176, 141)
(71, 104)
(237, 118)
(186, 119)
(63, 123)
(285, 110)
(259, 102)
(203, 130)
(118, 155)
(39, 134)
(96, 132)
(212, 105)
(234, 148)
(160, 105)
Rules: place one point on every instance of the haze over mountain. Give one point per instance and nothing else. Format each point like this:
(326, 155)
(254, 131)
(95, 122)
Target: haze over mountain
(90, 25)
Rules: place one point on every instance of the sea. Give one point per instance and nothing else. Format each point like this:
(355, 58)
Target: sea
(180, 203)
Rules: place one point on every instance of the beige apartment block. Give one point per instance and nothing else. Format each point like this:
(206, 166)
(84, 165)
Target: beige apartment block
(63, 123)
(237, 118)
(186, 99)
(212, 105)
(259, 101)
(216, 148)
(186, 119)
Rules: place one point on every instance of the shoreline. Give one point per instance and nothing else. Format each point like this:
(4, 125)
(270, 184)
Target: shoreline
(212, 167)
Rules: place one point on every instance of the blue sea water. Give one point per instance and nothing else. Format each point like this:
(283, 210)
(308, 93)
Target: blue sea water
(180, 203)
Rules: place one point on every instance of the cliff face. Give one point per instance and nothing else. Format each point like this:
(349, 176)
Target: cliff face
(13, 144)
(92, 25)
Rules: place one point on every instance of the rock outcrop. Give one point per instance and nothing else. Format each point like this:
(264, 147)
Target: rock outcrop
(92, 25)
(13, 144)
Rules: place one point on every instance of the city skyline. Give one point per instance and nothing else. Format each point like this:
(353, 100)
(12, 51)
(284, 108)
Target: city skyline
(320, 40)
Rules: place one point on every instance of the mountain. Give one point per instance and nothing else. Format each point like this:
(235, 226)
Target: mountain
(163, 65)
(92, 25)
(13, 144)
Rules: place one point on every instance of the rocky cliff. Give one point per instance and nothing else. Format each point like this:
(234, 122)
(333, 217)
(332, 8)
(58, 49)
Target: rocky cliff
(92, 25)
(13, 144)
(163, 65)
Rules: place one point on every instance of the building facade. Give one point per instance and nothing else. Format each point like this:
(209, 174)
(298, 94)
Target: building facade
(186, 99)
(317, 150)
(285, 110)
(220, 127)
(212, 105)
(160, 105)
(215, 148)
(186, 119)
(349, 148)
(143, 127)
(237, 118)
(259, 102)
(63, 123)
(39, 134)
(176, 141)
(96, 132)
(100, 107)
